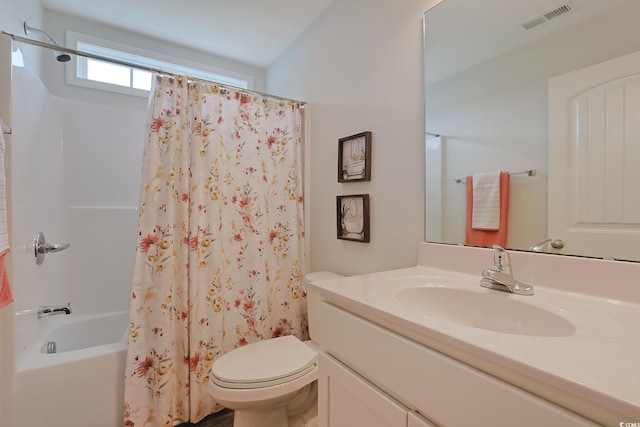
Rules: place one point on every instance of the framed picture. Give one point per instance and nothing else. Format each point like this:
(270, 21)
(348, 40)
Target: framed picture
(353, 217)
(354, 158)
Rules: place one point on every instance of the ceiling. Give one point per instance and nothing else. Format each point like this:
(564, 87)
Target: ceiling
(254, 32)
(462, 33)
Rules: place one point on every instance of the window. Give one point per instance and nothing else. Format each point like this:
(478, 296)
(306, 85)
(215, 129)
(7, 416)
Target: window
(114, 77)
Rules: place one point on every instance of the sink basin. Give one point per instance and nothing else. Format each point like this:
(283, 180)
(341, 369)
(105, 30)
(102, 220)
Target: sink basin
(491, 310)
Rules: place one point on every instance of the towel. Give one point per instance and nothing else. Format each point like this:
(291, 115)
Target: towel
(485, 214)
(489, 237)
(5, 289)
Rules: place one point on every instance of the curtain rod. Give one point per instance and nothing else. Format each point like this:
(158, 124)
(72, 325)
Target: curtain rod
(528, 172)
(139, 67)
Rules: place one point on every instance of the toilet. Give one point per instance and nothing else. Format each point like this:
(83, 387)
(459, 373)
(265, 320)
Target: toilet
(271, 382)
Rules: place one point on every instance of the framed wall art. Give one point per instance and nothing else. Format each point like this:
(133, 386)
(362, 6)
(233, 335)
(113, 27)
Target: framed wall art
(353, 217)
(354, 158)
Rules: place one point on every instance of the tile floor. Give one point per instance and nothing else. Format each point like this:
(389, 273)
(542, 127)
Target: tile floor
(223, 418)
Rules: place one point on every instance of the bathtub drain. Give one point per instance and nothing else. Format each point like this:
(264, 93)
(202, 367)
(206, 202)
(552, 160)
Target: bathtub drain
(51, 347)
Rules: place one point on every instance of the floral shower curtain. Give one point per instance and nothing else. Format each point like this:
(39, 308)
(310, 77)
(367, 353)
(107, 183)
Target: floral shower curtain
(220, 243)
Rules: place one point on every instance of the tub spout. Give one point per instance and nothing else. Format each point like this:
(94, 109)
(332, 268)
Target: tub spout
(51, 310)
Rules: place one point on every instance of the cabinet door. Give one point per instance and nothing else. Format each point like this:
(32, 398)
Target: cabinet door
(346, 400)
(416, 420)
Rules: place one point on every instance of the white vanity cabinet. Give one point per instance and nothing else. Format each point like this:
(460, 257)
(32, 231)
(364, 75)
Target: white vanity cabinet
(371, 376)
(415, 420)
(346, 399)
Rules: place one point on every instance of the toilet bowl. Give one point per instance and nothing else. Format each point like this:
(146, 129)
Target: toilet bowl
(269, 382)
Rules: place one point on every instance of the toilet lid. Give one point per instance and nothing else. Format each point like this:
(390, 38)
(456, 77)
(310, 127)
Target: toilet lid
(264, 363)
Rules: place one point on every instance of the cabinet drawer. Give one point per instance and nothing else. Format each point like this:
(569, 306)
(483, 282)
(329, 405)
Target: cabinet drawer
(447, 391)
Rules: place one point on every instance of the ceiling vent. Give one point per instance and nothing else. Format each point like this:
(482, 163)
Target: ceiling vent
(547, 16)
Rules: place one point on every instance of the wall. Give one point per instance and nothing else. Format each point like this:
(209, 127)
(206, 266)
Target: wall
(494, 117)
(53, 72)
(36, 195)
(102, 160)
(6, 314)
(359, 66)
(76, 179)
(13, 12)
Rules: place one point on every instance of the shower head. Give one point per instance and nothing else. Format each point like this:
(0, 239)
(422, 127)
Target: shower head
(60, 57)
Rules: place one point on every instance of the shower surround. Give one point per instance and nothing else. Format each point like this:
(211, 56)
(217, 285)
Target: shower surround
(74, 175)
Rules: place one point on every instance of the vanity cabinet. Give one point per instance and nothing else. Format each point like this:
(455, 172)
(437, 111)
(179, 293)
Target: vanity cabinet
(347, 399)
(415, 420)
(372, 376)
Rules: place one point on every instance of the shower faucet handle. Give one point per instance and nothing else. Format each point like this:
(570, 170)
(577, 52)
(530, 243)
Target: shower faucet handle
(52, 247)
(41, 247)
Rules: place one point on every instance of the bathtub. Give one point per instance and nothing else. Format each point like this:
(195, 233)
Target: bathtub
(80, 385)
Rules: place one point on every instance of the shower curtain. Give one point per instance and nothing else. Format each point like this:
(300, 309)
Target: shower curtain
(219, 259)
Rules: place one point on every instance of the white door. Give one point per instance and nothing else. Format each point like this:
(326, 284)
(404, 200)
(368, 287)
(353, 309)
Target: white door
(594, 159)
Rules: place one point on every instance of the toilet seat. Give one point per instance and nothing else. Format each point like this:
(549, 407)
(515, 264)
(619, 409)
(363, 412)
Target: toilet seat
(264, 364)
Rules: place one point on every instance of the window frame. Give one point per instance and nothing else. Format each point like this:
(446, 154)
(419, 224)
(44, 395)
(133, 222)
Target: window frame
(77, 67)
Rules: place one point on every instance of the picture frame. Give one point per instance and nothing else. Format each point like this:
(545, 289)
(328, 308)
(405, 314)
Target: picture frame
(354, 157)
(353, 217)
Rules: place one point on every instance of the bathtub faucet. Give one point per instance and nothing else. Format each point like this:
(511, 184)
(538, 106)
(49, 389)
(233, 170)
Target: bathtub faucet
(51, 310)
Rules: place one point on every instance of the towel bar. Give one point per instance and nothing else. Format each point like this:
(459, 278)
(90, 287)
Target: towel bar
(528, 172)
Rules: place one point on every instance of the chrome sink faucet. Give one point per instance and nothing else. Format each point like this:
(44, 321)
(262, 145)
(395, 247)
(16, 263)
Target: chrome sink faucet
(50, 310)
(500, 277)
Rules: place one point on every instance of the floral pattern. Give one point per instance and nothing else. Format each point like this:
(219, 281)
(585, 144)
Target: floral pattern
(219, 259)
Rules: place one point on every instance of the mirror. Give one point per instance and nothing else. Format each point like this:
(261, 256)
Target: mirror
(487, 67)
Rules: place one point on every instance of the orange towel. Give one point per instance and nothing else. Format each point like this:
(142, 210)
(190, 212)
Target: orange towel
(489, 238)
(5, 289)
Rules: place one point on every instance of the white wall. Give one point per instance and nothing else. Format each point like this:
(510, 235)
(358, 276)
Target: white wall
(53, 72)
(13, 13)
(359, 66)
(6, 314)
(36, 195)
(76, 178)
(103, 157)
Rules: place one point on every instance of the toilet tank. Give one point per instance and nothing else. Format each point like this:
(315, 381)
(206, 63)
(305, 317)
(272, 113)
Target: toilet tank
(313, 298)
(320, 275)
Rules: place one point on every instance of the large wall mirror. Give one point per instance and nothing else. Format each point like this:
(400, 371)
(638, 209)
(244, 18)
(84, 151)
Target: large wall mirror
(489, 69)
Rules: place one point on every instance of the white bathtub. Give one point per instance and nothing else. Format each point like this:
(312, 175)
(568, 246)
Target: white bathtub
(80, 385)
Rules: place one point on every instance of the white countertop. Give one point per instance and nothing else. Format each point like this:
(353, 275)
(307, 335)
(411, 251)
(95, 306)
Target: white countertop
(598, 361)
